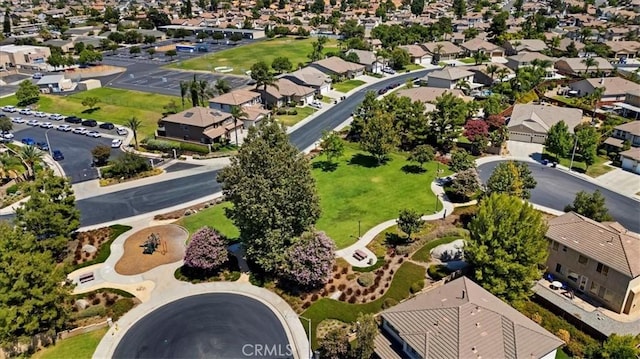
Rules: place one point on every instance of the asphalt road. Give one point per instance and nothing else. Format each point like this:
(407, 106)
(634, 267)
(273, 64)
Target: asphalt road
(557, 188)
(217, 325)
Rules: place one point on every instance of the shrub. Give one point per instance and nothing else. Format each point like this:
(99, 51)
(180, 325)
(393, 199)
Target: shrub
(127, 166)
(351, 276)
(292, 112)
(12, 189)
(95, 311)
(338, 275)
(366, 279)
(342, 297)
(349, 291)
(416, 286)
(281, 111)
(388, 303)
(564, 335)
(95, 301)
(332, 288)
(206, 250)
(438, 271)
(310, 260)
(160, 145)
(342, 286)
(194, 147)
(352, 299)
(306, 305)
(602, 152)
(120, 308)
(314, 297)
(358, 292)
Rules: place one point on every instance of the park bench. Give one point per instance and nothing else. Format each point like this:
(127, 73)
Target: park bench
(359, 255)
(87, 277)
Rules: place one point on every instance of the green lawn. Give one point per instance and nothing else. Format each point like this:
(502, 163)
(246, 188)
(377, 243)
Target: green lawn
(358, 191)
(290, 120)
(241, 58)
(468, 60)
(413, 67)
(597, 169)
(348, 85)
(560, 354)
(115, 106)
(79, 347)
(326, 99)
(213, 217)
(325, 308)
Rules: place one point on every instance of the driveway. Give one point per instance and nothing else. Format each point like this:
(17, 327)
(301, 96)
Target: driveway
(621, 181)
(525, 150)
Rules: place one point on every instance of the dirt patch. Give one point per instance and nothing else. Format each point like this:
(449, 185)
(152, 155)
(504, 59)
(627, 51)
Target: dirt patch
(134, 261)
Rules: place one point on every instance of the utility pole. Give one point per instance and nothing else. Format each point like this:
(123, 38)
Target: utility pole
(574, 153)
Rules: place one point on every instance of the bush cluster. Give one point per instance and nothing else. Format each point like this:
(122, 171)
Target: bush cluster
(366, 279)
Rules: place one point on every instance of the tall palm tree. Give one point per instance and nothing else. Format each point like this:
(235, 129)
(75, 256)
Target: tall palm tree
(589, 62)
(595, 98)
(134, 124)
(194, 89)
(480, 57)
(30, 155)
(437, 50)
(491, 70)
(237, 113)
(462, 85)
(502, 73)
(184, 87)
(204, 92)
(222, 86)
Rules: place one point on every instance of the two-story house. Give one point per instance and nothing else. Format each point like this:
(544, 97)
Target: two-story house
(239, 97)
(627, 132)
(615, 88)
(631, 105)
(460, 319)
(597, 259)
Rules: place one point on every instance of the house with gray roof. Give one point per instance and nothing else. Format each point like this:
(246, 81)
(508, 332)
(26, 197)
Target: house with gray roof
(335, 66)
(530, 123)
(311, 77)
(448, 77)
(575, 66)
(368, 59)
(461, 320)
(598, 259)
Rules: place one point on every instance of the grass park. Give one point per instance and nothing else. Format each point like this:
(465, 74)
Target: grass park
(79, 347)
(116, 106)
(241, 58)
(213, 217)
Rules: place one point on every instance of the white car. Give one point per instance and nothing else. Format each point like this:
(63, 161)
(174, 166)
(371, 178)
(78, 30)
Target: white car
(94, 134)
(33, 123)
(46, 125)
(65, 128)
(40, 114)
(116, 143)
(7, 135)
(80, 130)
(26, 111)
(56, 117)
(9, 108)
(122, 131)
(17, 120)
(316, 104)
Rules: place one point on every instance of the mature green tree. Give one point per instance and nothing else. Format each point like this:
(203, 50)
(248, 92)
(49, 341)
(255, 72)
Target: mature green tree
(621, 346)
(89, 56)
(506, 247)
(422, 154)
(363, 114)
(222, 86)
(459, 8)
(128, 166)
(409, 120)
(50, 213)
(366, 331)
(5, 124)
(273, 194)
(588, 140)
(32, 301)
(332, 145)
(134, 124)
(559, 140)
(446, 120)
(417, 7)
(461, 160)
(512, 178)
(499, 25)
(466, 184)
(400, 58)
(90, 101)
(151, 52)
(101, 154)
(237, 113)
(28, 93)
(184, 88)
(135, 50)
(590, 205)
(262, 76)
(171, 53)
(379, 136)
(30, 155)
(318, 48)
(281, 64)
(409, 221)
(335, 344)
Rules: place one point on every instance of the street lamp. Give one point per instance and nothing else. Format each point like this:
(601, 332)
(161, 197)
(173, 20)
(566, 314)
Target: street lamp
(309, 335)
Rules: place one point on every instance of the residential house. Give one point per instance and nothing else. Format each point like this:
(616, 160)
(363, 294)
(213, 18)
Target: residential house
(24, 56)
(419, 55)
(286, 92)
(615, 88)
(513, 47)
(631, 105)
(238, 97)
(444, 50)
(627, 132)
(624, 49)
(429, 95)
(477, 44)
(484, 77)
(254, 115)
(368, 59)
(524, 59)
(335, 66)
(449, 77)
(54, 83)
(599, 260)
(198, 124)
(631, 160)
(575, 66)
(566, 42)
(311, 77)
(460, 319)
(531, 123)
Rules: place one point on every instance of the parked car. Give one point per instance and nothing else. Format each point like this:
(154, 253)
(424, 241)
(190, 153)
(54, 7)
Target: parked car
(37, 76)
(107, 126)
(46, 125)
(382, 91)
(9, 108)
(80, 130)
(73, 119)
(33, 123)
(6, 135)
(90, 123)
(26, 111)
(57, 155)
(116, 143)
(122, 131)
(40, 114)
(316, 104)
(28, 141)
(43, 146)
(94, 134)
(56, 117)
(65, 128)
(17, 120)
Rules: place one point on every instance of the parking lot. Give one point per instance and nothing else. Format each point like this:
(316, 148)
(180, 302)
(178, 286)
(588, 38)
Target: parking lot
(76, 148)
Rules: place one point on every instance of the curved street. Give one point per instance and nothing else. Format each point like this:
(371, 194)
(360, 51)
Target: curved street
(556, 188)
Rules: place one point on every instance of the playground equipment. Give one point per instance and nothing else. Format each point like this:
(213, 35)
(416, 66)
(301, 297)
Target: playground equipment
(152, 243)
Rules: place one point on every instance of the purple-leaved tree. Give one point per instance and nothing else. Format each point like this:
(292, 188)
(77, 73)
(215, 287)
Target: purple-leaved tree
(310, 260)
(207, 250)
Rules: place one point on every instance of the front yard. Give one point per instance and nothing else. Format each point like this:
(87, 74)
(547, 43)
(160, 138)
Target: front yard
(413, 67)
(348, 85)
(597, 169)
(301, 114)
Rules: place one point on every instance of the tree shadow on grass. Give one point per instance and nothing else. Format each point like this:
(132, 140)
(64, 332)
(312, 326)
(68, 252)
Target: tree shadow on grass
(415, 169)
(363, 160)
(91, 110)
(325, 166)
(394, 239)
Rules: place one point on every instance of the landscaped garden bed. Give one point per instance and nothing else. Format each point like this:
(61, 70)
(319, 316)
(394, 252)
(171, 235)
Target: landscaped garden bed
(95, 307)
(93, 246)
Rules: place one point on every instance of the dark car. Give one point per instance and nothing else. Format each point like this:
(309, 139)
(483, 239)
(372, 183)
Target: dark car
(382, 91)
(42, 146)
(107, 126)
(90, 123)
(28, 141)
(73, 119)
(57, 155)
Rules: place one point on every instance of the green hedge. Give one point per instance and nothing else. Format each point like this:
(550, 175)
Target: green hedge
(120, 292)
(194, 147)
(167, 146)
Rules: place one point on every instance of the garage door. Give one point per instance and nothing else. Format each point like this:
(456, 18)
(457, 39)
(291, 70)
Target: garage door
(539, 138)
(520, 136)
